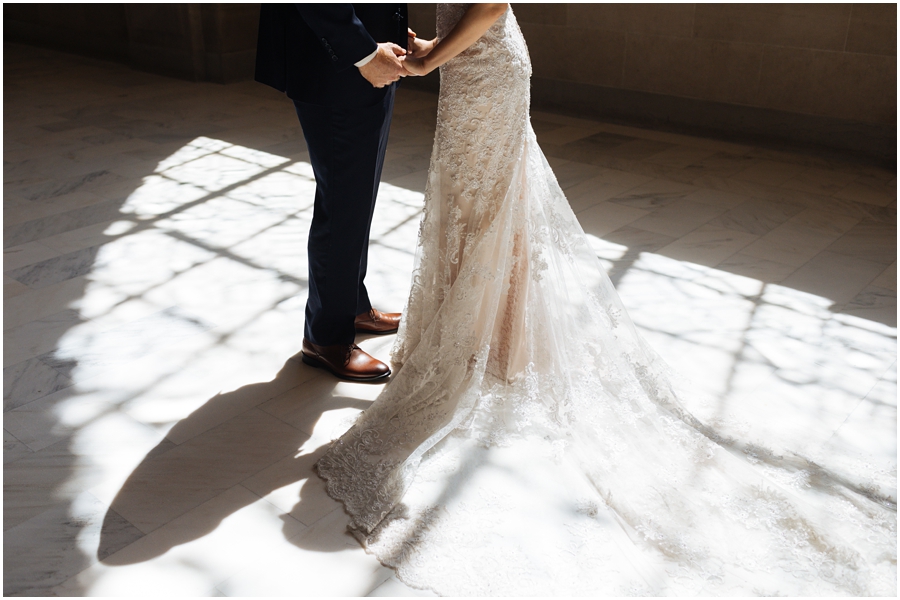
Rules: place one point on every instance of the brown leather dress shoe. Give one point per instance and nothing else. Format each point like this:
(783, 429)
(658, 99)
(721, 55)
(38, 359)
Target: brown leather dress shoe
(377, 322)
(345, 361)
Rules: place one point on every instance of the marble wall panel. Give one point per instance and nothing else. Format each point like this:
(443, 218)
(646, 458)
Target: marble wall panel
(862, 87)
(821, 26)
(720, 71)
(873, 29)
(225, 27)
(93, 29)
(158, 25)
(543, 14)
(422, 19)
(836, 61)
(549, 59)
(675, 19)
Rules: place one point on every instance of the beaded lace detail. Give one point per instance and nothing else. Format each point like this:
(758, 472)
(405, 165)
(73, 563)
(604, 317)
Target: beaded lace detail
(530, 442)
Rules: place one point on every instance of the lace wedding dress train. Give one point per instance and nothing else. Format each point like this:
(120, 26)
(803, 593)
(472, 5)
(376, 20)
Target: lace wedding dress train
(530, 442)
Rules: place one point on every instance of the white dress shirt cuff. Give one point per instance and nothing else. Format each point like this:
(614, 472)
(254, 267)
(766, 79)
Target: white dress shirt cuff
(366, 60)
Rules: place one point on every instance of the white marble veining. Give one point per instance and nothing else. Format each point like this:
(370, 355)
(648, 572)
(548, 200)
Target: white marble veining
(159, 429)
(708, 244)
(678, 217)
(888, 278)
(758, 217)
(801, 237)
(834, 276)
(29, 253)
(869, 240)
(29, 380)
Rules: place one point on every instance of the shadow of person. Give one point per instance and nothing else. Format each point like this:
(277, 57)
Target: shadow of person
(242, 442)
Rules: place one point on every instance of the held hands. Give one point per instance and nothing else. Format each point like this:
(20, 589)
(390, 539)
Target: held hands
(392, 62)
(386, 67)
(417, 47)
(414, 62)
(415, 66)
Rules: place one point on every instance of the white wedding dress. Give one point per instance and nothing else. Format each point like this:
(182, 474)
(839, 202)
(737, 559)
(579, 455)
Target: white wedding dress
(529, 442)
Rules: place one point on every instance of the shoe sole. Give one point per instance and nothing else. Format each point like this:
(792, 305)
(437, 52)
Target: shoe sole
(320, 365)
(377, 332)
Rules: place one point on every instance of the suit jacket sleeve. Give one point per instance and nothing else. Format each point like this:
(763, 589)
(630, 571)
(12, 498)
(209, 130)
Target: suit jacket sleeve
(340, 32)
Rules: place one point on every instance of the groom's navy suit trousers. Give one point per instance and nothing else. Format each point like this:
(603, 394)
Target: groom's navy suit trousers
(308, 51)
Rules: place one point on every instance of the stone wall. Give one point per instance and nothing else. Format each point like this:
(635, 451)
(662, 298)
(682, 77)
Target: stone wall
(811, 75)
(200, 42)
(830, 60)
(820, 76)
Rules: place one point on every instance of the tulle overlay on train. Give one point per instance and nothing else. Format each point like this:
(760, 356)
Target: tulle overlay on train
(530, 442)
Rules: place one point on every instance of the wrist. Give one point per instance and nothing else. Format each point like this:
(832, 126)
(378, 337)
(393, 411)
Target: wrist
(428, 59)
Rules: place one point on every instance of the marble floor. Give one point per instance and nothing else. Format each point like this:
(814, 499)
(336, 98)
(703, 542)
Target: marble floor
(159, 431)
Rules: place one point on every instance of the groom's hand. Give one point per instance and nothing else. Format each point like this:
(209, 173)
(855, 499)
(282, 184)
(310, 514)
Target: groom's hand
(386, 67)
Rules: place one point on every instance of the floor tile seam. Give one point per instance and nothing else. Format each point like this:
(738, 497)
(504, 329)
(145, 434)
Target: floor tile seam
(65, 502)
(850, 254)
(99, 331)
(71, 431)
(42, 315)
(864, 180)
(637, 185)
(795, 230)
(849, 303)
(863, 260)
(733, 225)
(55, 253)
(205, 501)
(764, 192)
(257, 406)
(29, 354)
(680, 237)
(275, 416)
(878, 381)
(339, 507)
(892, 366)
(49, 318)
(796, 268)
(49, 202)
(63, 216)
(110, 509)
(281, 512)
(743, 245)
(6, 271)
(142, 225)
(49, 366)
(694, 142)
(172, 518)
(844, 421)
(11, 434)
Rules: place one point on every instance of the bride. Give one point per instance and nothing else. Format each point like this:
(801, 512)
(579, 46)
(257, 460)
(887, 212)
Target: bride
(530, 442)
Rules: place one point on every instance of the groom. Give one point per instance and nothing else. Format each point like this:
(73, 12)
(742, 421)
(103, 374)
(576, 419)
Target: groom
(339, 64)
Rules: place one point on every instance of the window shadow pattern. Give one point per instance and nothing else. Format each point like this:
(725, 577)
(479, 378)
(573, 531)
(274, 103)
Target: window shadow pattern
(161, 466)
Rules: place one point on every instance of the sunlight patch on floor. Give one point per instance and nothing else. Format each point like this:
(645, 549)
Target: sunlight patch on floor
(200, 290)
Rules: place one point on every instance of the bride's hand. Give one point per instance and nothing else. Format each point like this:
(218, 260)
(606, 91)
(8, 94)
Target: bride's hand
(419, 48)
(415, 66)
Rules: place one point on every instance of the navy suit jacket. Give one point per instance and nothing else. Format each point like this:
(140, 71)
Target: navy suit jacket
(308, 51)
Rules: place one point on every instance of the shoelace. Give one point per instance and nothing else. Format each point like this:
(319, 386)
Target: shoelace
(350, 353)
